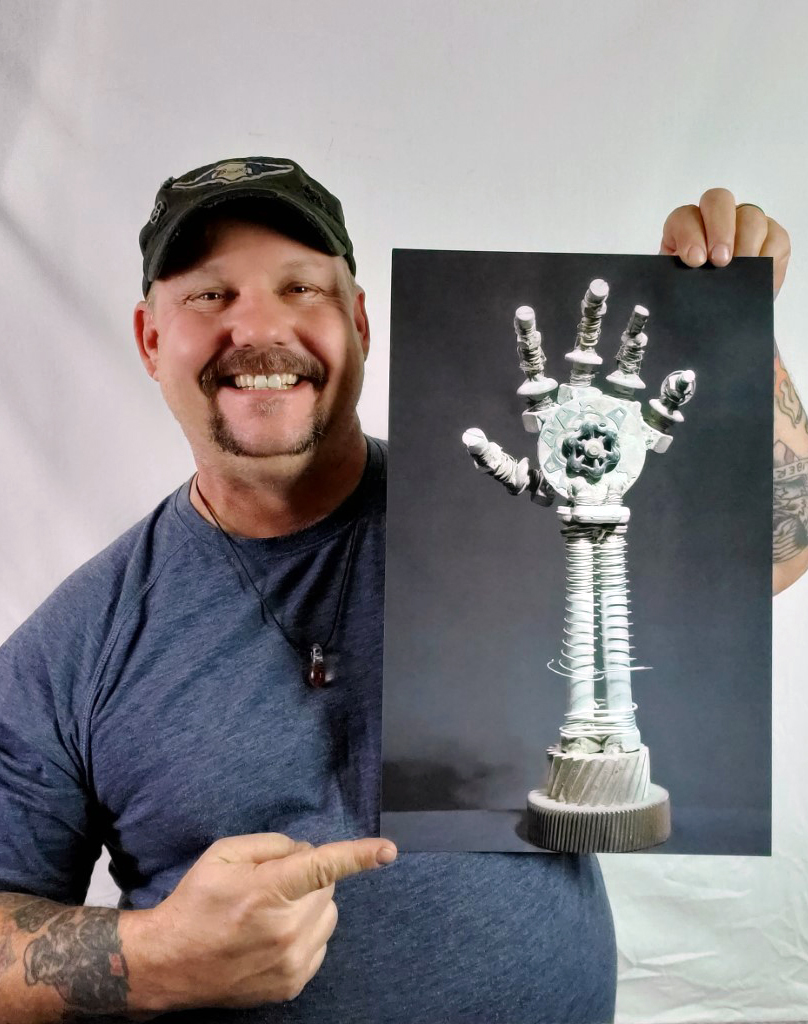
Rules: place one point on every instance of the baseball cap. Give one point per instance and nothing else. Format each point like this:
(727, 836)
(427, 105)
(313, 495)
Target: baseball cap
(302, 203)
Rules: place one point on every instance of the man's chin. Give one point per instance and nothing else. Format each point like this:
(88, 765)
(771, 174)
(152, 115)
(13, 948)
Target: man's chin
(295, 443)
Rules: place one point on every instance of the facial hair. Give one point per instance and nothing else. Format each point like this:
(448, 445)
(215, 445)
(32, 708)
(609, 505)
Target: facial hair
(225, 439)
(275, 360)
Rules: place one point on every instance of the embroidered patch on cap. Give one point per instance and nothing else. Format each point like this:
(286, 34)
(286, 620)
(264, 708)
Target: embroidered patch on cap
(234, 170)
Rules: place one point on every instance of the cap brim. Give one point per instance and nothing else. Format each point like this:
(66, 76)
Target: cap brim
(331, 244)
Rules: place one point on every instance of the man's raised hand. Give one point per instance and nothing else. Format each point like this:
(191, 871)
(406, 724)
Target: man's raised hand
(718, 229)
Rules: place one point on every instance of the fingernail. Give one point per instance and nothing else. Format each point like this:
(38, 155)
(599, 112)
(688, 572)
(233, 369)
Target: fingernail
(386, 855)
(695, 254)
(720, 255)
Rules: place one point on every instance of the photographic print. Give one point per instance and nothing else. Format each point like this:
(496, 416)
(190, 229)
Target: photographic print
(629, 634)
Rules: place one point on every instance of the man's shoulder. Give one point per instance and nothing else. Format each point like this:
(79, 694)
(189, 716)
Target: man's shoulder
(101, 589)
(137, 553)
(376, 473)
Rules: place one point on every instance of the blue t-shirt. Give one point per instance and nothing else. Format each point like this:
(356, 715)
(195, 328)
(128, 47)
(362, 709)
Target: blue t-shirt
(152, 705)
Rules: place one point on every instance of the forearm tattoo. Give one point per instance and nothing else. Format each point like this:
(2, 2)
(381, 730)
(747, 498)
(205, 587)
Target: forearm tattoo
(787, 401)
(7, 958)
(76, 950)
(790, 471)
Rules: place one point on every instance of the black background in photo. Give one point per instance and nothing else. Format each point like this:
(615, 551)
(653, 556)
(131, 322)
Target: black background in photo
(476, 577)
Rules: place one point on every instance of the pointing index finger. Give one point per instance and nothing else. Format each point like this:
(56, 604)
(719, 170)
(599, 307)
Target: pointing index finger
(318, 868)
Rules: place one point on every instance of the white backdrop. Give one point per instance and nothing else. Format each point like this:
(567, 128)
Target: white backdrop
(445, 124)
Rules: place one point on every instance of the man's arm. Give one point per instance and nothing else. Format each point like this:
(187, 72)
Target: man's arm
(59, 962)
(790, 546)
(248, 924)
(716, 230)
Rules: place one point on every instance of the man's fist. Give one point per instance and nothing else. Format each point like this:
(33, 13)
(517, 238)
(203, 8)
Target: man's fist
(717, 230)
(247, 924)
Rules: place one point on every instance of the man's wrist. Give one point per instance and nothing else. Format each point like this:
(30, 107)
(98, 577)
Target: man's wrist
(152, 990)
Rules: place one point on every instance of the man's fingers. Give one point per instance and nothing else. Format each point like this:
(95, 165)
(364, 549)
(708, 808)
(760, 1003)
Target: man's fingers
(717, 207)
(718, 230)
(322, 866)
(778, 246)
(323, 927)
(683, 236)
(751, 228)
(317, 962)
(254, 849)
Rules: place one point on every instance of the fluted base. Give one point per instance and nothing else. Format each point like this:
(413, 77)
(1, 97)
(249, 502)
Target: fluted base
(582, 828)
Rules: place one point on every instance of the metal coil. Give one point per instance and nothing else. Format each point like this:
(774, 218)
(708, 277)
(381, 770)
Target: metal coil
(578, 645)
(597, 592)
(629, 358)
(597, 721)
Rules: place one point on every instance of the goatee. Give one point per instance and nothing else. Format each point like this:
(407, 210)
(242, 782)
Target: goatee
(226, 441)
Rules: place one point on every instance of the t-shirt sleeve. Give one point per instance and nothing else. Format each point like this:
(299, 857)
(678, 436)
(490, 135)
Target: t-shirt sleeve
(49, 839)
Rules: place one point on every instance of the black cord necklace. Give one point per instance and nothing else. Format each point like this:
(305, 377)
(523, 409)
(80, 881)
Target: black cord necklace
(312, 654)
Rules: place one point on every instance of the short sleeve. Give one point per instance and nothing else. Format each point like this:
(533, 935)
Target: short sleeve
(49, 843)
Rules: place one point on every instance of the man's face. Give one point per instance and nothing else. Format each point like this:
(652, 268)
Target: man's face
(259, 347)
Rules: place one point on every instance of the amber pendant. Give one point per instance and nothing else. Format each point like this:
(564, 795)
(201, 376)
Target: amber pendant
(315, 676)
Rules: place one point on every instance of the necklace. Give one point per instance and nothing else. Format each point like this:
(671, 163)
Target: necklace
(315, 652)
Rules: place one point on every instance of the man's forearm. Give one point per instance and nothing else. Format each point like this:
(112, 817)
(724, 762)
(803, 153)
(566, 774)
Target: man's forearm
(790, 540)
(60, 963)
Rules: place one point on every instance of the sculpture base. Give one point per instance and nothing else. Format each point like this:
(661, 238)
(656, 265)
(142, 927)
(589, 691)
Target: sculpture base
(582, 828)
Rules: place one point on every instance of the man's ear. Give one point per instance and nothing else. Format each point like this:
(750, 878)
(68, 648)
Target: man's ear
(146, 337)
(361, 320)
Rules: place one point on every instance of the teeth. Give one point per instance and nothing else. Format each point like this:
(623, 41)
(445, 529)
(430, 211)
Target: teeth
(274, 382)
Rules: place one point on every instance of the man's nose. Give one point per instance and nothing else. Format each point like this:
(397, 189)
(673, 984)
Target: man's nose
(260, 318)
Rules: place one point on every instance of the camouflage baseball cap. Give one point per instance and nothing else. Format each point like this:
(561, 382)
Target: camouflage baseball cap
(300, 200)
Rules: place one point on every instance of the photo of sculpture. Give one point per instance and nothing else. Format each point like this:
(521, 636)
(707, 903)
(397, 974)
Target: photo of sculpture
(493, 654)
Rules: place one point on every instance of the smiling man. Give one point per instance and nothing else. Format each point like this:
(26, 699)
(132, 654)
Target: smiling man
(259, 342)
(203, 698)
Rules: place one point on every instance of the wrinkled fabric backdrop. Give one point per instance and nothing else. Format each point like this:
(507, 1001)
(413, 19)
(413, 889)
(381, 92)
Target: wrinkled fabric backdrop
(460, 124)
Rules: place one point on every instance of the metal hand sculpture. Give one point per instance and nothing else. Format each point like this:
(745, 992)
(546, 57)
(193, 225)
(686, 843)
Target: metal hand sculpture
(591, 449)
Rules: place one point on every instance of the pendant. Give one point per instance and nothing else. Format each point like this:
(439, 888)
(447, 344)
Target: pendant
(315, 676)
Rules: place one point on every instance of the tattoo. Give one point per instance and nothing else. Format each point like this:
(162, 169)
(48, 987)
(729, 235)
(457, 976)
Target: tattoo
(14, 899)
(31, 916)
(80, 953)
(7, 957)
(81, 956)
(29, 912)
(787, 401)
(790, 503)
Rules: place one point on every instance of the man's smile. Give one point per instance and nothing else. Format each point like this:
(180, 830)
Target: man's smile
(261, 382)
(275, 370)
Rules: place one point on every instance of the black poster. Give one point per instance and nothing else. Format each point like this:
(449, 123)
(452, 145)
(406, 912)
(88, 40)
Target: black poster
(476, 577)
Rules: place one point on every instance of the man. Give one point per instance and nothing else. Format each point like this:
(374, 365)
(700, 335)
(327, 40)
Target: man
(167, 700)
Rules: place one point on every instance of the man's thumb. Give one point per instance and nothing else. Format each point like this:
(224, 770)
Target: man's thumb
(254, 849)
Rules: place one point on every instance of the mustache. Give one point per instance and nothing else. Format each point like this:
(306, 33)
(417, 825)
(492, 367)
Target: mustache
(273, 360)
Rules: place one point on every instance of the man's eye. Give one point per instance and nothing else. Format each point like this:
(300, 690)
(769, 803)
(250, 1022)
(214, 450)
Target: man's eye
(300, 289)
(209, 296)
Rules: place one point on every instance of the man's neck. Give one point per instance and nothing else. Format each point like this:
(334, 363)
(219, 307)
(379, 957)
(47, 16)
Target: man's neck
(276, 496)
